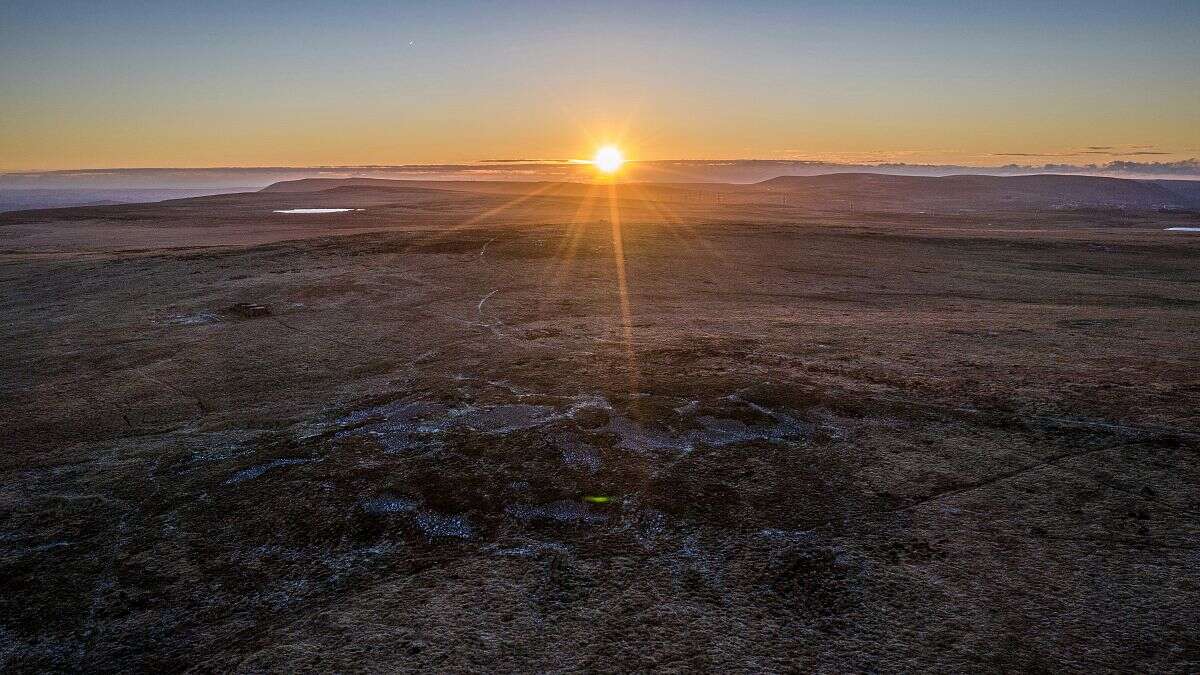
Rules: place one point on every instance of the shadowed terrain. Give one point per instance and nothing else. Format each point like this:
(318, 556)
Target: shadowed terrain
(820, 423)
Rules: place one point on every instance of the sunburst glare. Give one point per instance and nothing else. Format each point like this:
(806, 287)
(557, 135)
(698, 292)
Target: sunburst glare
(608, 159)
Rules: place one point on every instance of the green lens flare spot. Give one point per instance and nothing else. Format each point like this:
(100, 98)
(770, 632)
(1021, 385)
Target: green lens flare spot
(597, 499)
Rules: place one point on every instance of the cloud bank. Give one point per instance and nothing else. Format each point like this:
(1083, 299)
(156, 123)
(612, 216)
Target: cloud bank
(734, 171)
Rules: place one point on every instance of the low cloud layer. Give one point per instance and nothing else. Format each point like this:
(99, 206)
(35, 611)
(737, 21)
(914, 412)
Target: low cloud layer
(734, 171)
(1106, 150)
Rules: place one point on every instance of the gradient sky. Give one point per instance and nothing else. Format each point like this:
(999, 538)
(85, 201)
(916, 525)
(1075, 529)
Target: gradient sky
(134, 84)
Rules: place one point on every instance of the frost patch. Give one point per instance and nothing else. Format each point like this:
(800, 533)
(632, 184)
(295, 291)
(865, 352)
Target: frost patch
(437, 525)
(201, 319)
(256, 471)
(561, 511)
(581, 456)
(389, 505)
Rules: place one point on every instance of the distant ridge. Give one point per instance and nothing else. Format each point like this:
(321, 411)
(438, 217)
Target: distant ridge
(547, 188)
(1187, 190)
(841, 191)
(978, 191)
(318, 184)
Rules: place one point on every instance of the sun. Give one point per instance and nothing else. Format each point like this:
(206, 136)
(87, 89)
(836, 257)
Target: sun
(608, 159)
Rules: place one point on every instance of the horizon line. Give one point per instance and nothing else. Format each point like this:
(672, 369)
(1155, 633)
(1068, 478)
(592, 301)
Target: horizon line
(1192, 163)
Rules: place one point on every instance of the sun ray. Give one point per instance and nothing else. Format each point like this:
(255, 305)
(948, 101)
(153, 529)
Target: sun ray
(477, 218)
(578, 227)
(614, 213)
(676, 221)
(661, 213)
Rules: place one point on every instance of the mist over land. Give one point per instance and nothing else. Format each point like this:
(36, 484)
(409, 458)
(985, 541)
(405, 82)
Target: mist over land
(732, 171)
(82, 187)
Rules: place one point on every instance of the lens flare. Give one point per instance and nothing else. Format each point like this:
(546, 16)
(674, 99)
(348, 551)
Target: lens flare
(608, 159)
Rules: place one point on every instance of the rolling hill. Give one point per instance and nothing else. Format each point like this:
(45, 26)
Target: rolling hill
(870, 191)
(837, 191)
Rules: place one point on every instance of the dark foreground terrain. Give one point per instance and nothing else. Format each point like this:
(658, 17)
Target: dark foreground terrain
(445, 439)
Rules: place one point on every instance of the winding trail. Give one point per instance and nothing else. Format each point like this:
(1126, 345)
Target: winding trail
(479, 307)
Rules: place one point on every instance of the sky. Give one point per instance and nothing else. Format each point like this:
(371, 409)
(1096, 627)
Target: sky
(204, 84)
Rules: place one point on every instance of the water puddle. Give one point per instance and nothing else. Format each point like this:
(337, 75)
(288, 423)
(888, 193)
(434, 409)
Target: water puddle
(314, 210)
(201, 319)
(1182, 229)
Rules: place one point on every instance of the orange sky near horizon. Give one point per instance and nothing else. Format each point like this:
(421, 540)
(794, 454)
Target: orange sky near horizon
(126, 85)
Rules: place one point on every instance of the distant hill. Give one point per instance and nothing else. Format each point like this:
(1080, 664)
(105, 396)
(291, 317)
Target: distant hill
(838, 191)
(1188, 190)
(549, 188)
(47, 198)
(319, 184)
(871, 191)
